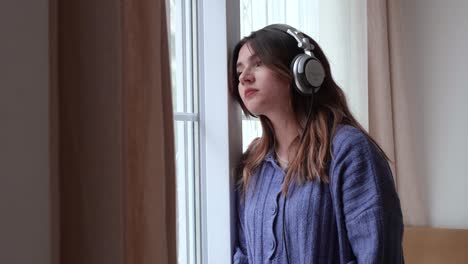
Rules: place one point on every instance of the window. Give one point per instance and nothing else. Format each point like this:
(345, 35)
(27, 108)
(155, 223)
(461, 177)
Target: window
(186, 127)
(198, 33)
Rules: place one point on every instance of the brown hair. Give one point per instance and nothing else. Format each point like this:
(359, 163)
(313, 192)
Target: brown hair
(276, 49)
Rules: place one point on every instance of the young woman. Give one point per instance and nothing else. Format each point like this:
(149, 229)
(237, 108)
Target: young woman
(315, 188)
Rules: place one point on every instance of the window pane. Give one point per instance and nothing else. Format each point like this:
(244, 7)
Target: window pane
(183, 57)
(251, 129)
(176, 95)
(185, 185)
(181, 187)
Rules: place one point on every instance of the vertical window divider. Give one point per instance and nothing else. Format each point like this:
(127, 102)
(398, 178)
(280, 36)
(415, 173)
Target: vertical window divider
(220, 126)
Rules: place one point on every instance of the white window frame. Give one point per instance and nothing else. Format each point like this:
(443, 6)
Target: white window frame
(220, 126)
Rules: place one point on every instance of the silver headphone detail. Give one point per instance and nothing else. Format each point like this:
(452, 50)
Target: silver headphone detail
(307, 71)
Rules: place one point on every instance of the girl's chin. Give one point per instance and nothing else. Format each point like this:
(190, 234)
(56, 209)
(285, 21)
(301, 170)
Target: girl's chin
(253, 107)
(254, 111)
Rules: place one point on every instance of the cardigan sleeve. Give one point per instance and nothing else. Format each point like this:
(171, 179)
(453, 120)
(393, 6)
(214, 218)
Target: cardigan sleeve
(240, 250)
(370, 204)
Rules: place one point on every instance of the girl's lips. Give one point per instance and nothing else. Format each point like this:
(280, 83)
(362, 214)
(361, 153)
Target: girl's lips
(250, 92)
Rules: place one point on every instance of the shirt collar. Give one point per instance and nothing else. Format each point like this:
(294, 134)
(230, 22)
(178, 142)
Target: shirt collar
(270, 156)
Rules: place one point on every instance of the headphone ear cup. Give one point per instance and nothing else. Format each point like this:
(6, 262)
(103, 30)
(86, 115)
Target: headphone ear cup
(314, 72)
(308, 74)
(298, 72)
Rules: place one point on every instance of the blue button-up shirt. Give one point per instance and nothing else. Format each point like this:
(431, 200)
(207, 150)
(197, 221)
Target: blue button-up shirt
(355, 218)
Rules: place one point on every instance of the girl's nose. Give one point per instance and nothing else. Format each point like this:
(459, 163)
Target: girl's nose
(246, 76)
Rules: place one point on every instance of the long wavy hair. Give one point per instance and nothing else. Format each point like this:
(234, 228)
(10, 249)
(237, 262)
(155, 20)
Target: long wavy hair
(276, 49)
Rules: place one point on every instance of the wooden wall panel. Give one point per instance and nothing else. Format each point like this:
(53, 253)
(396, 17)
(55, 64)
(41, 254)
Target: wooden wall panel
(424, 245)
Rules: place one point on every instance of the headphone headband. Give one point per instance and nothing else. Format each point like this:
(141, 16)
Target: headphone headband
(302, 41)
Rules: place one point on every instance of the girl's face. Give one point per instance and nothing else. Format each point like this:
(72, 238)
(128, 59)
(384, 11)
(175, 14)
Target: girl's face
(261, 89)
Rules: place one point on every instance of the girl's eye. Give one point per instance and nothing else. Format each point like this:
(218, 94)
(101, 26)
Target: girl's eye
(258, 64)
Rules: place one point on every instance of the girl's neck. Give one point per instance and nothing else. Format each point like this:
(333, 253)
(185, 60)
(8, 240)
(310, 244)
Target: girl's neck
(286, 130)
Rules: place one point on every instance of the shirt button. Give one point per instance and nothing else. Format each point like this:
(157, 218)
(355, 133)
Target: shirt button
(272, 244)
(273, 209)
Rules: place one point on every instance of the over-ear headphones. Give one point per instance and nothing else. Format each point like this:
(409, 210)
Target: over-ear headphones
(307, 71)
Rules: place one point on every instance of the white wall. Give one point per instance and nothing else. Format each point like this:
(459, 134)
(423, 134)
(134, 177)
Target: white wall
(436, 41)
(24, 157)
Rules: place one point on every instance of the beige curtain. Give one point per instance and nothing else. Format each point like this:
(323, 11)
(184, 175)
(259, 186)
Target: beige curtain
(113, 166)
(388, 106)
(149, 135)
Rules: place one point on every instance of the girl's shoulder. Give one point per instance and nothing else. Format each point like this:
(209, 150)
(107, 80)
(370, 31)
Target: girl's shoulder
(348, 134)
(348, 138)
(354, 147)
